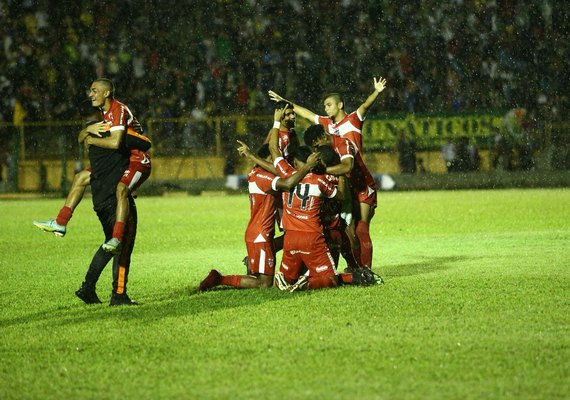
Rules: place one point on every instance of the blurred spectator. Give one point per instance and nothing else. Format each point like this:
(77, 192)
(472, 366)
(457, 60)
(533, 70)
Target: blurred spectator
(501, 153)
(474, 157)
(406, 154)
(448, 153)
(421, 166)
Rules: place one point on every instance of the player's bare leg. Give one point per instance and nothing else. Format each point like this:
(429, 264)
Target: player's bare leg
(353, 239)
(58, 226)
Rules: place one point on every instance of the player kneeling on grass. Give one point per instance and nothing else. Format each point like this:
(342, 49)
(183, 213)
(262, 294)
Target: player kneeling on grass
(263, 186)
(307, 261)
(136, 174)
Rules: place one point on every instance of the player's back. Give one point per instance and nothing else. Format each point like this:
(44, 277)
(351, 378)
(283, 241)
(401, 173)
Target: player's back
(262, 204)
(302, 204)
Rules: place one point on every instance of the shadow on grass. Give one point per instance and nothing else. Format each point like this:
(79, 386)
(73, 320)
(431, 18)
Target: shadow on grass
(426, 266)
(185, 301)
(178, 302)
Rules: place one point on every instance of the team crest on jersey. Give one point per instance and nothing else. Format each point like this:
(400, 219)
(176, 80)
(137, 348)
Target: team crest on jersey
(127, 172)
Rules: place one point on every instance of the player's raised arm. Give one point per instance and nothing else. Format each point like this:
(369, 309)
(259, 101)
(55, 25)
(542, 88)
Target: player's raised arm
(379, 86)
(244, 150)
(299, 110)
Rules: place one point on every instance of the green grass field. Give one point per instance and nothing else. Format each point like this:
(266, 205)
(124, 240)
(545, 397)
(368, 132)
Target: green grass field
(475, 306)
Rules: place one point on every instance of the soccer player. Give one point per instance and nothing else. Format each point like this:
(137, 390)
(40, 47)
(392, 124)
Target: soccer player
(108, 133)
(307, 261)
(361, 181)
(338, 121)
(109, 164)
(259, 235)
(284, 119)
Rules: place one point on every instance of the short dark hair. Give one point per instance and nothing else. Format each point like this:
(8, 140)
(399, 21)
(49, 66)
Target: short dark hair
(263, 151)
(336, 96)
(302, 153)
(281, 104)
(328, 155)
(312, 133)
(109, 84)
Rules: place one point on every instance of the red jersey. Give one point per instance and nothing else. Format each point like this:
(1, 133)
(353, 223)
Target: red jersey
(283, 167)
(350, 127)
(120, 117)
(284, 143)
(261, 226)
(360, 177)
(302, 205)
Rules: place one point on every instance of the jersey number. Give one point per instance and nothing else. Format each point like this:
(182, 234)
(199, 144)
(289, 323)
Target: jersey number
(302, 193)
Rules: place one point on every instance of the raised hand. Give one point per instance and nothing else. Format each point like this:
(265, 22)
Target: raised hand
(379, 84)
(243, 149)
(313, 160)
(275, 97)
(279, 113)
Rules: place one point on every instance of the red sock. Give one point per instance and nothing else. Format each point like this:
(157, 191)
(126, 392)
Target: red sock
(363, 234)
(231, 280)
(345, 278)
(64, 216)
(319, 282)
(119, 230)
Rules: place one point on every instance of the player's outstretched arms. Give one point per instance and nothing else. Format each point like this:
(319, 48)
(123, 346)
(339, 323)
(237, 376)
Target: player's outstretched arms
(299, 110)
(379, 86)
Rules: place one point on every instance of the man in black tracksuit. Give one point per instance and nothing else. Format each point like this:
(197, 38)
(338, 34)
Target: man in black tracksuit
(107, 167)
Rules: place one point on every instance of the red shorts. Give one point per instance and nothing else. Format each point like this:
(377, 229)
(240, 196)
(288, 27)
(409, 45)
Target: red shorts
(368, 196)
(261, 258)
(136, 174)
(306, 249)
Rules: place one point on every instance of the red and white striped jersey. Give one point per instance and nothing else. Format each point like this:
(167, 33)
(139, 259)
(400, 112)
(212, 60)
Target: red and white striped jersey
(302, 205)
(261, 226)
(120, 117)
(284, 143)
(350, 127)
(360, 177)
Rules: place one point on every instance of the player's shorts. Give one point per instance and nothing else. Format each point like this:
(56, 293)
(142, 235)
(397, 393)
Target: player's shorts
(306, 250)
(136, 174)
(368, 196)
(261, 258)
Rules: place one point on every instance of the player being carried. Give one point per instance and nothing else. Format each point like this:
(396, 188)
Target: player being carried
(118, 129)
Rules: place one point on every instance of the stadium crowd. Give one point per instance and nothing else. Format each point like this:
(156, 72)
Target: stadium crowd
(182, 58)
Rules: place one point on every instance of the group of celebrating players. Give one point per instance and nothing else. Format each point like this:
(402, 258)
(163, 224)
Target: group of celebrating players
(321, 194)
